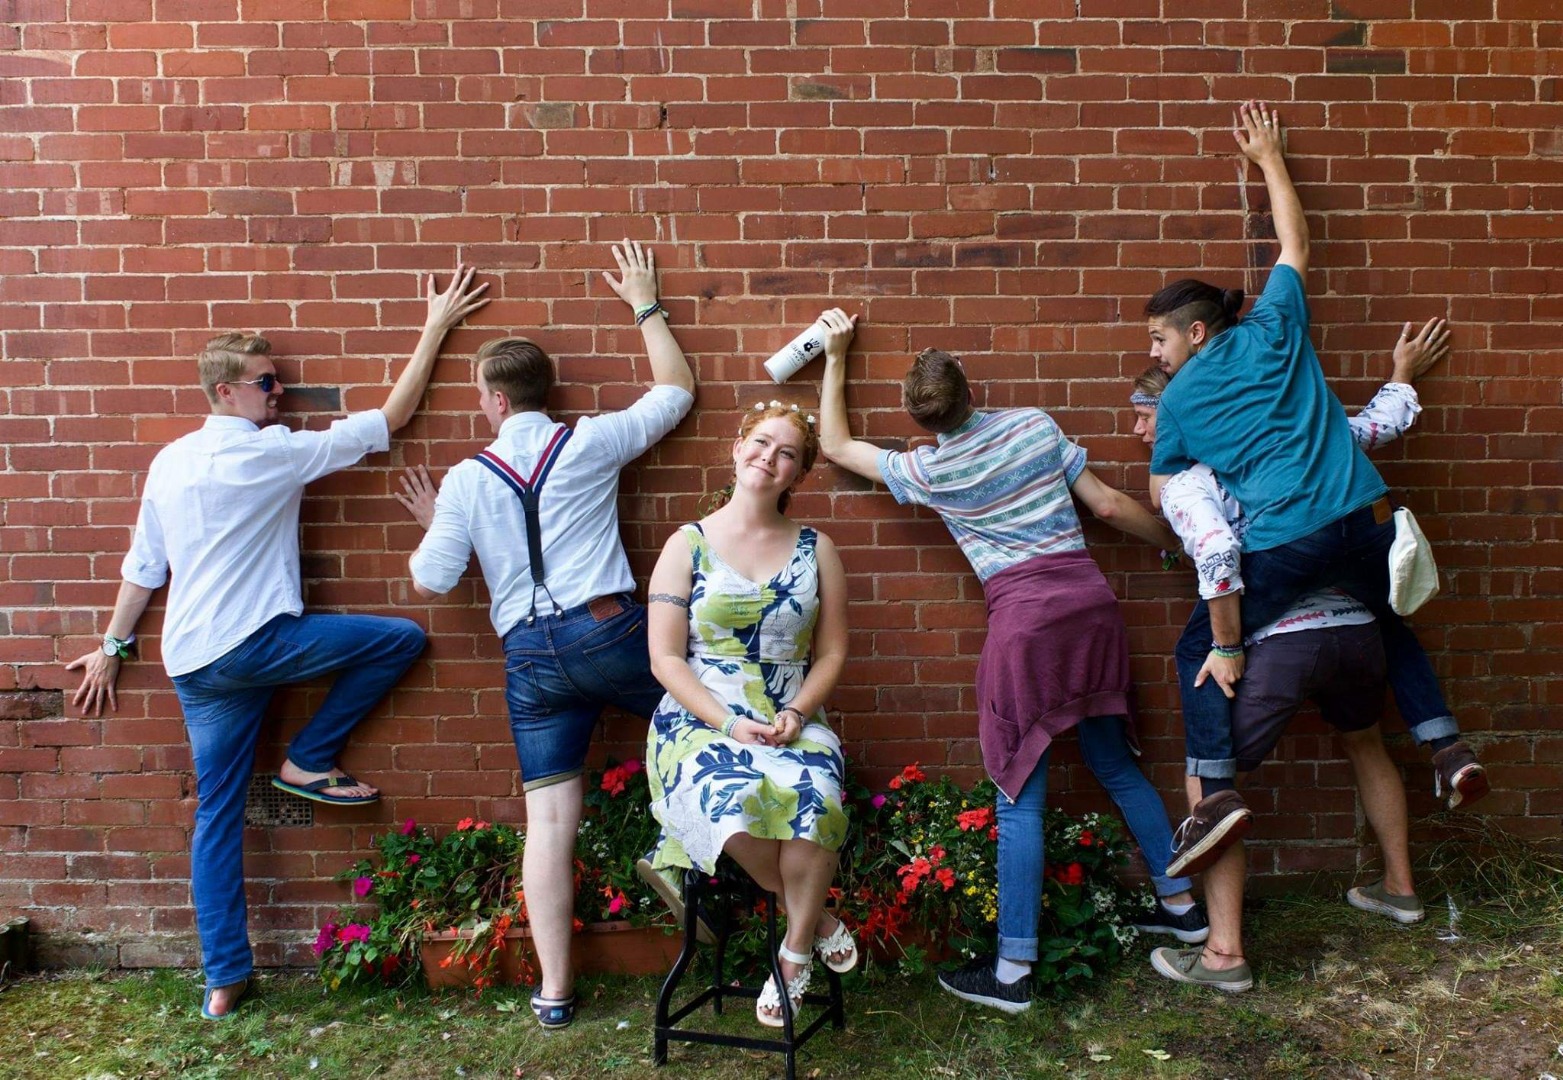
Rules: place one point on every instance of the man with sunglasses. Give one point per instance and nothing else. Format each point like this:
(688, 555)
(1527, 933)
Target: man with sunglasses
(219, 520)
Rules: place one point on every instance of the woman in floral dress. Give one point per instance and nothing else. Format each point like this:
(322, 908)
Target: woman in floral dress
(748, 633)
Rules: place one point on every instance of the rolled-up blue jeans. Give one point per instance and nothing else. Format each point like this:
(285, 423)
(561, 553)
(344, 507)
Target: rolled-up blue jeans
(224, 704)
(1351, 554)
(1104, 745)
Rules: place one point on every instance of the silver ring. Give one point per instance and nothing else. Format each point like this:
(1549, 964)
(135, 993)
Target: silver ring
(1266, 123)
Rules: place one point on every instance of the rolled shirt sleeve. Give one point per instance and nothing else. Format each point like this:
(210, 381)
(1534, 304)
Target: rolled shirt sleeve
(146, 563)
(446, 549)
(630, 432)
(319, 453)
(1193, 507)
(905, 476)
(1387, 417)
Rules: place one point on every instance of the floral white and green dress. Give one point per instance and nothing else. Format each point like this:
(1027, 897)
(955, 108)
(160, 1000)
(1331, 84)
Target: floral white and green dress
(749, 645)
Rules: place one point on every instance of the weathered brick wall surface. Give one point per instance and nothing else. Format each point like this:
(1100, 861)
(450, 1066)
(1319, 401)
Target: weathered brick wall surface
(1007, 179)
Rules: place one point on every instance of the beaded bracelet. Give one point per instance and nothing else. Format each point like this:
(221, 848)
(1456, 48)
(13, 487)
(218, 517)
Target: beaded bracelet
(727, 728)
(1226, 652)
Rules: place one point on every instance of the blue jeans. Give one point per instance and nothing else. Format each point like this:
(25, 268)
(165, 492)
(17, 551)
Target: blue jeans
(1105, 748)
(561, 670)
(224, 704)
(1351, 554)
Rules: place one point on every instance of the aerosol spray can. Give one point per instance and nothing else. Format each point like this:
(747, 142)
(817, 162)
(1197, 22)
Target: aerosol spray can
(797, 352)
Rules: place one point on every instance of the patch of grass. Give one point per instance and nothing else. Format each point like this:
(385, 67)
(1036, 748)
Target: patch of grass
(1340, 993)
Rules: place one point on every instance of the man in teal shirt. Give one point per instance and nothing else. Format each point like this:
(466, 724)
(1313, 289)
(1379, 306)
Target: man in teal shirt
(1250, 402)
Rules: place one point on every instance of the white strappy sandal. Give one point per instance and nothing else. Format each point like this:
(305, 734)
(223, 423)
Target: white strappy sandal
(797, 986)
(838, 940)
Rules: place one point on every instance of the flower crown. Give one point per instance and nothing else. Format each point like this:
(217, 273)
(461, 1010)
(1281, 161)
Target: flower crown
(760, 406)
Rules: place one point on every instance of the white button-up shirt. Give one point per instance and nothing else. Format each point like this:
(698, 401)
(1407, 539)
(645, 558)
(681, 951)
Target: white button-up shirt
(583, 555)
(220, 512)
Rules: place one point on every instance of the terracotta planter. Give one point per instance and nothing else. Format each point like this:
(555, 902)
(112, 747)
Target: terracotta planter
(613, 948)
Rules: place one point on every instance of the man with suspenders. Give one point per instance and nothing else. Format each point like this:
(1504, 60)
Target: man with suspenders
(539, 506)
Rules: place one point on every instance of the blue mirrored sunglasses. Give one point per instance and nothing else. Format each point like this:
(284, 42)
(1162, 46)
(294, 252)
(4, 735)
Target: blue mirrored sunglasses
(267, 382)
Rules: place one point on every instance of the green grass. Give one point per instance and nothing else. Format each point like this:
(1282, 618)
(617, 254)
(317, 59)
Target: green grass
(1339, 993)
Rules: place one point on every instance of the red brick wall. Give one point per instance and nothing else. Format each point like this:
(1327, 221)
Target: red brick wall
(1007, 179)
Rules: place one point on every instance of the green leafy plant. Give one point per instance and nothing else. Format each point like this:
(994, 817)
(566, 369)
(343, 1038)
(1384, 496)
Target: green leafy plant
(469, 881)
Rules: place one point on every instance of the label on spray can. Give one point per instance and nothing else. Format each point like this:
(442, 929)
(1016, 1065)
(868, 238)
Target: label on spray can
(797, 352)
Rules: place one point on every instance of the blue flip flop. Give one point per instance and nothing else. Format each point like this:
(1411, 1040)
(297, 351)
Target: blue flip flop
(312, 790)
(554, 1012)
(206, 1002)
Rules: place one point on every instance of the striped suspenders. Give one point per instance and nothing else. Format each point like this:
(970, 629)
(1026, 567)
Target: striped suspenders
(528, 490)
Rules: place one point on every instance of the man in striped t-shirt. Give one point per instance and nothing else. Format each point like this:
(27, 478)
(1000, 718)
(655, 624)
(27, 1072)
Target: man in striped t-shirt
(1056, 656)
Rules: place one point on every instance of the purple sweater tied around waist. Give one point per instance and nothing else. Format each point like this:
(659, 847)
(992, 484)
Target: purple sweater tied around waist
(1056, 653)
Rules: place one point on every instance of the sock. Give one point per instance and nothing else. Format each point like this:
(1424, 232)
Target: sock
(1178, 909)
(1008, 971)
(1209, 786)
(1443, 742)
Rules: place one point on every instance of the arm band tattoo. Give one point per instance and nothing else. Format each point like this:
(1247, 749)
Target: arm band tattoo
(667, 598)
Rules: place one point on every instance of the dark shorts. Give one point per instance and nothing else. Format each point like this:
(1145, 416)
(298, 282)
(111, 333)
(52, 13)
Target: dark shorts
(1340, 667)
(559, 674)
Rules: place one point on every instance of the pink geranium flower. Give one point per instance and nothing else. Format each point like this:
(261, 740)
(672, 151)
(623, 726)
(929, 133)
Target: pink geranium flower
(409, 827)
(325, 938)
(353, 932)
(363, 886)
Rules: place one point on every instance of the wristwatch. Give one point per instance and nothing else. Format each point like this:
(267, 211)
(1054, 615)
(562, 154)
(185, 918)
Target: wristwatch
(113, 646)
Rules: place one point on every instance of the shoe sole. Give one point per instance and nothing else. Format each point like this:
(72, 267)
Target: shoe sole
(1011, 1007)
(675, 903)
(1226, 832)
(1171, 971)
(1362, 902)
(1467, 786)
(1188, 937)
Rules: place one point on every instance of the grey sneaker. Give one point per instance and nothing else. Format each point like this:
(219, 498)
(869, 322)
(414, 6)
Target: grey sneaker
(976, 982)
(1185, 966)
(1458, 775)
(666, 884)
(1191, 927)
(1403, 909)
(1218, 821)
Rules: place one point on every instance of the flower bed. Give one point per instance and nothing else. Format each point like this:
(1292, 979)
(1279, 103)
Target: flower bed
(917, 883)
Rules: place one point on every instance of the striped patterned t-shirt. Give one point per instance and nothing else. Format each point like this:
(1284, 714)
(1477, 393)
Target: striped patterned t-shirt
(1001, 483)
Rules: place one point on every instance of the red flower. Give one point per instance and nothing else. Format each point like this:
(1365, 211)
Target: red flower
(613, 780)
(895, 783)
(946, 877)
(464, 824)
(993, 832)
(979, 818)
(1073, 874)
(1087, 839)
(936, 854)
(913, 774)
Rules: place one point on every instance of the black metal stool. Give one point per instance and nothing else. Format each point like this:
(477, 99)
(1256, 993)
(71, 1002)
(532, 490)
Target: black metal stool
(701, 891)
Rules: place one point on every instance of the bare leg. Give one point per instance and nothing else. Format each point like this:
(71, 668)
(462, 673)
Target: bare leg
(553, 816)
(1384, 804)
(1224, 882)
(761, 859)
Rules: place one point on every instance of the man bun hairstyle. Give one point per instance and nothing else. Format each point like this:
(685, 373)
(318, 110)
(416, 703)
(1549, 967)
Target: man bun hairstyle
(935, 392)
(224, 358)
(519, 369)
(1188, 301)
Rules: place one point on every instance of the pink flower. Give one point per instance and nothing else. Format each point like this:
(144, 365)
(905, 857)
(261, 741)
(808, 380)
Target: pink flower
(878, 800)
(363, 886)
(618, 904)
(409, 827)
(632, 766)
(353, 932)
(414, 859)
(325, 938)
(464, 824)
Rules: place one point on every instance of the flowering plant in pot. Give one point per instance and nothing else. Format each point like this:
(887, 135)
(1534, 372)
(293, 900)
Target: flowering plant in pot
(923, 877)
(465, 887)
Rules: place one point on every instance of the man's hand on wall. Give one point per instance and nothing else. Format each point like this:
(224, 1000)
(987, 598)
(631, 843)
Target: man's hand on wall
(417, 495)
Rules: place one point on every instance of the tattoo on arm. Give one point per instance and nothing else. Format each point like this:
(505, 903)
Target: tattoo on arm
(667, 598)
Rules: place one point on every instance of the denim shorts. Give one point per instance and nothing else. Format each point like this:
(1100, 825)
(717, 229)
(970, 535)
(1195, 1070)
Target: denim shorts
(561, 670)
(1339, 667)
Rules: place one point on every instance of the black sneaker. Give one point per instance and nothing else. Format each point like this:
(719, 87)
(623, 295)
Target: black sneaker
(1191, 927)
(977, 983)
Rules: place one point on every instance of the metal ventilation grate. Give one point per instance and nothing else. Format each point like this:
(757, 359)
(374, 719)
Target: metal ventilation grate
(267, 806)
